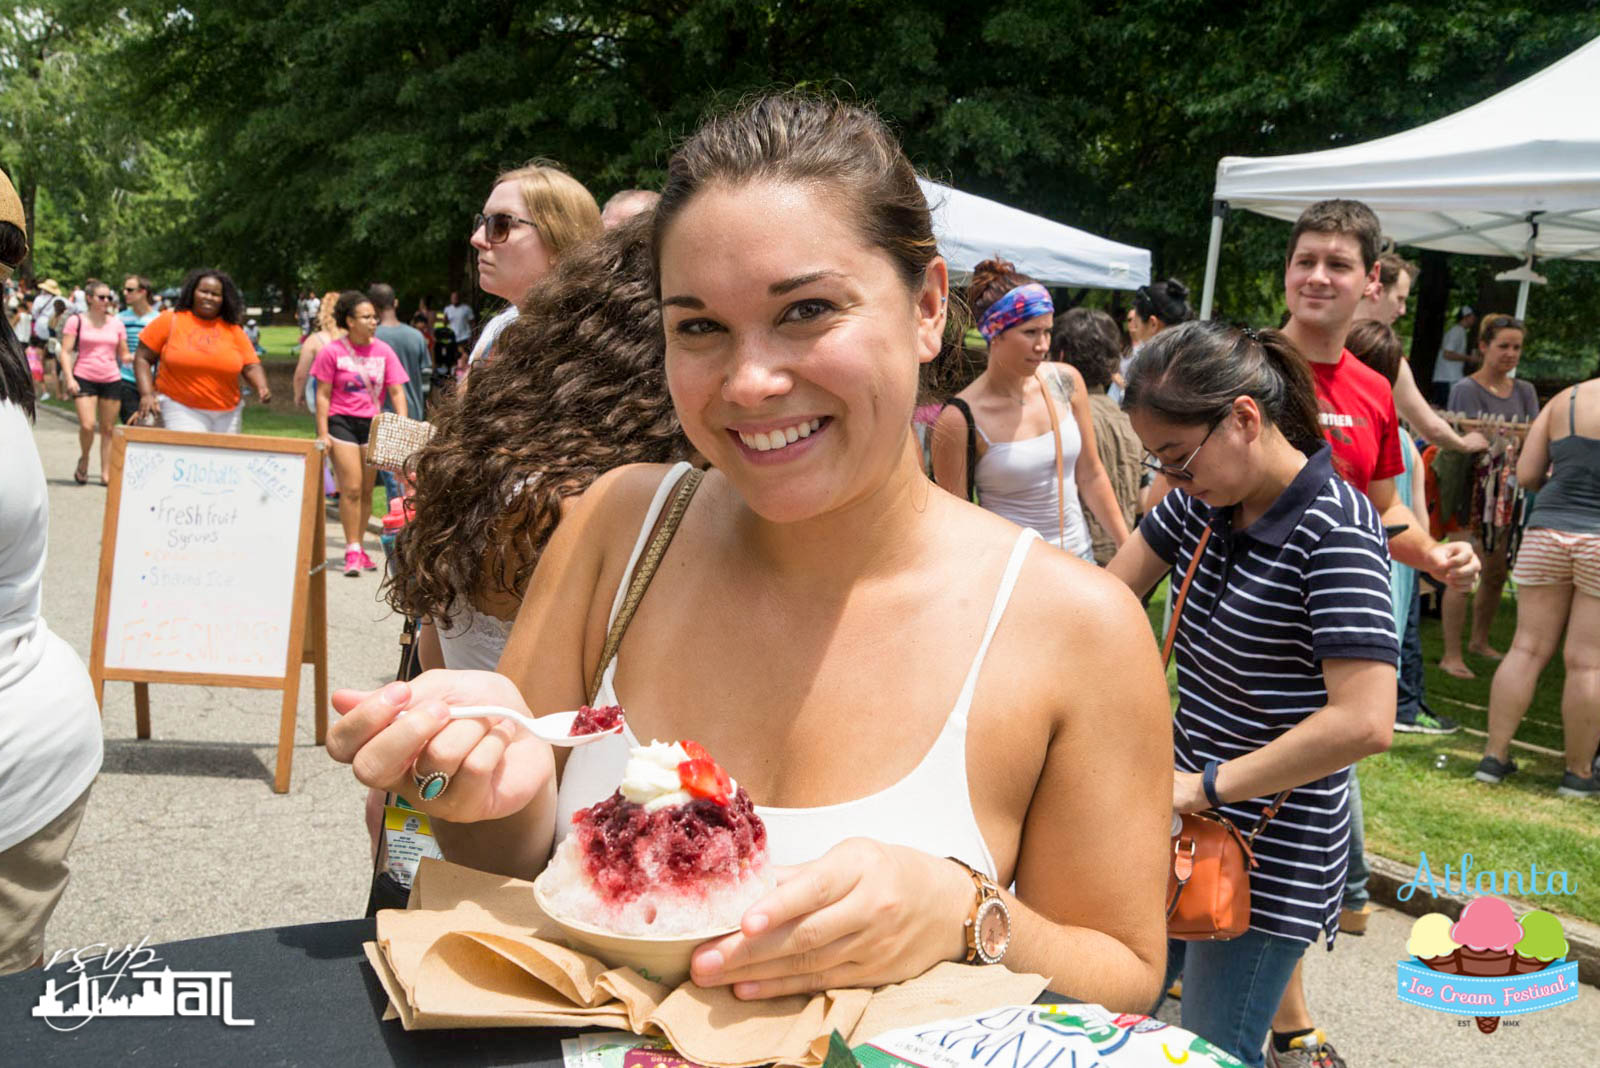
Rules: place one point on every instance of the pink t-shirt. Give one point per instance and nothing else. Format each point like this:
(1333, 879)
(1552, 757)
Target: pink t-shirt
(358, 376)
(95, 358)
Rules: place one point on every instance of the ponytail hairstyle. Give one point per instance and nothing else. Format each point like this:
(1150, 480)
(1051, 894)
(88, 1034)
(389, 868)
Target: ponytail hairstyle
(1192, 374)
(1496, 322)
(1167, 301)
(1376, 345)
(325, 321)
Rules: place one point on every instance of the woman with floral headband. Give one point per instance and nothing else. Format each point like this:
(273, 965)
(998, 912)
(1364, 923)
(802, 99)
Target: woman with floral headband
(1020, 439)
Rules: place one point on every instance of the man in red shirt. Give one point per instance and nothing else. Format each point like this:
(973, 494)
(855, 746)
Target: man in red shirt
(1332, 261)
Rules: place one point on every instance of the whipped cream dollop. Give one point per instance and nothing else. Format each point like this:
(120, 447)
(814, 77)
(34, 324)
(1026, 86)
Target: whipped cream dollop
(651, 777)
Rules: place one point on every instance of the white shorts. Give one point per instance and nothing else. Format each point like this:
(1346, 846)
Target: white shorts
(1556, 558)
(175, 416)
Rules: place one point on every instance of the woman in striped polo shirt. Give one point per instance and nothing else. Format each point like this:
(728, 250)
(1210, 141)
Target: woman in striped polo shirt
(1286, 646)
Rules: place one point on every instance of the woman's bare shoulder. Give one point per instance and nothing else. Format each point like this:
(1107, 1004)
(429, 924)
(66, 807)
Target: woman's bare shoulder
(617, 499)
(1085, 616)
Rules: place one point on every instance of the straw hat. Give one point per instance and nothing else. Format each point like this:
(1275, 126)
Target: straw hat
(49, 286)
(11, 206)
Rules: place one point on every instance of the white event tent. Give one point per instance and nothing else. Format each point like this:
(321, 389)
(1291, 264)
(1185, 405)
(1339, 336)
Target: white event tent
(971, 229)
(1516, 175)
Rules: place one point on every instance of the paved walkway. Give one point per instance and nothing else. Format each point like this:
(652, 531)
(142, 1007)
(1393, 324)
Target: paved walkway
(184, 836)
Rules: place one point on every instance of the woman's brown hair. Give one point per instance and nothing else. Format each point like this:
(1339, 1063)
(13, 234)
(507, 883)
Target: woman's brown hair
(991, 280)
(1192, 373)
(815, 140)
(576, 388)
(1376, 345)
(1494, 323)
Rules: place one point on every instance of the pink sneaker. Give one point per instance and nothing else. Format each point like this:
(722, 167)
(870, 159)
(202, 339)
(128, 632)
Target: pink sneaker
(364, 560)
(352, 561)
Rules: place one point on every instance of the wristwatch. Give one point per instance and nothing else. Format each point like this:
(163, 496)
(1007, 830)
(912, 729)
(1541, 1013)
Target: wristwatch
(988, 926)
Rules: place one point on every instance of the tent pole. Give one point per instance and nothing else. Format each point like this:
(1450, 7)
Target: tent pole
(1522, 299)
(1219, 213)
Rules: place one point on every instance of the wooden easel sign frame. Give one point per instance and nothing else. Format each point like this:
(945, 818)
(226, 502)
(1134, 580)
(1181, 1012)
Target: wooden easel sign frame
(205, 492)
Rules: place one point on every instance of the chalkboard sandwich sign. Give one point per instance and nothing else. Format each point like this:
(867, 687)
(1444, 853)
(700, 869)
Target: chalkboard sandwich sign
(206, 570)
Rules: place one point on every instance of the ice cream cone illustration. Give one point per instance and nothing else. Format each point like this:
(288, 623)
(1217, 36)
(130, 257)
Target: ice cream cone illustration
(1487, 932)
(1542, 943)
(1430, 942)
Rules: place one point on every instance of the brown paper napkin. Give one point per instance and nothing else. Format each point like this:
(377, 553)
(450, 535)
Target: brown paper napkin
(474, 950)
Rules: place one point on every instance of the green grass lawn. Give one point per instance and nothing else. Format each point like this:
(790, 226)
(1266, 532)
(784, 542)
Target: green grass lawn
(281, 342)
(1416, 802)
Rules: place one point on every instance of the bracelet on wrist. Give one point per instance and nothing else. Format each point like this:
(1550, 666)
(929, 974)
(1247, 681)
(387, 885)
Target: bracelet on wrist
(1208, 782)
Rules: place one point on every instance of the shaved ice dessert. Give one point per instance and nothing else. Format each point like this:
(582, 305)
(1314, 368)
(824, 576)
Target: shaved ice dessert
(596, 720)
(677, 850)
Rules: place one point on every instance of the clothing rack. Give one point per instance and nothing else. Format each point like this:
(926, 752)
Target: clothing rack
(1489, 424)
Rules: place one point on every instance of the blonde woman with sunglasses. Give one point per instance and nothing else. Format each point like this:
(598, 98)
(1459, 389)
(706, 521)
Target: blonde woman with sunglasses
(533, 215)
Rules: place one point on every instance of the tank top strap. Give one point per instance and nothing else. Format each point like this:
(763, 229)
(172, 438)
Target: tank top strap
(668, 482)
(1002, 597)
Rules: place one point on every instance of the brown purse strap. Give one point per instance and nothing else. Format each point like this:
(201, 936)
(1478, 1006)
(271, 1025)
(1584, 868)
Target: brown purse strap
(1183, 595)
(1166, 658)
(645, 570)
(1061, 477)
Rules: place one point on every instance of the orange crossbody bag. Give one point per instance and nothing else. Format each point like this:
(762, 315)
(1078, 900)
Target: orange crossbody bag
(1208, 886)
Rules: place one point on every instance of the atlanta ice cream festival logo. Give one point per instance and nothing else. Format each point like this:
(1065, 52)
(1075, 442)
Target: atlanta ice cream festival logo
(1488, 964)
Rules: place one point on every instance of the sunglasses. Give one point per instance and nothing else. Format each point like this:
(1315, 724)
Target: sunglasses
(1180, 472)
(102, 296)
(497, 227)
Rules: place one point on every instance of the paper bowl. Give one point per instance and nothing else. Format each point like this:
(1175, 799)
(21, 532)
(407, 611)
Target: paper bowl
(663, 960)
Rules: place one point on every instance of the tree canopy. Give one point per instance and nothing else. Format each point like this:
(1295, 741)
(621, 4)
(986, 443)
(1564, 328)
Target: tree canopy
(295, 142)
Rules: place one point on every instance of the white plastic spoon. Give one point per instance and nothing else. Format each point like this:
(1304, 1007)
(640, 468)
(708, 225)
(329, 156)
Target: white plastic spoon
(554, 728)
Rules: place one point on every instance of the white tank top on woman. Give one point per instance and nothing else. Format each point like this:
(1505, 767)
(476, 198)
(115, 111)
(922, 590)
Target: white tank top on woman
(930, 809)
(1017, 480)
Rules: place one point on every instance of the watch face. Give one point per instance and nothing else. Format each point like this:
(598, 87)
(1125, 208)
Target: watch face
(994, 931)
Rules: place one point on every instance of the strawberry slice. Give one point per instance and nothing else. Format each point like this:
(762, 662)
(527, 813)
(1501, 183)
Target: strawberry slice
(695, 750)
(703, 777)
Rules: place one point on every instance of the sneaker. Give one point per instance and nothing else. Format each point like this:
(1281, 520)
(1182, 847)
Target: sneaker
(364, 560)
(1307, 1051)
(1493, 771)
(1354, 921)
(1572, 786)
(352, 561)
(1175, 991)
(1425, 721)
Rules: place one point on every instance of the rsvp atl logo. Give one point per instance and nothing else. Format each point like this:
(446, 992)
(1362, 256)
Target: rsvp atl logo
(101, 980)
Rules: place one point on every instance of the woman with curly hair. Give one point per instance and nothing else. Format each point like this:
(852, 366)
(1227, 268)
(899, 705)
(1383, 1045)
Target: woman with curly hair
(203, 349)
(576, 388)
(323, 330)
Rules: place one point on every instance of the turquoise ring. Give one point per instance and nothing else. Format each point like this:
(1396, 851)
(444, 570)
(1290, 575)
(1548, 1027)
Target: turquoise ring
(431, 785)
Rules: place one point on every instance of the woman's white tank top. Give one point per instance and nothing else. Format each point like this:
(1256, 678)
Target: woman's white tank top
(930, 809)
(1017, 480)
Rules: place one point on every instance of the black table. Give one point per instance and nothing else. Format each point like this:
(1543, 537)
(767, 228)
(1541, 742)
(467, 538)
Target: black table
(314, 999)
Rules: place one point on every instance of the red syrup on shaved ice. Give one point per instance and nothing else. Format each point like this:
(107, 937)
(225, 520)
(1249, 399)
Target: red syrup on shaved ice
(595, 720)
(677, 850)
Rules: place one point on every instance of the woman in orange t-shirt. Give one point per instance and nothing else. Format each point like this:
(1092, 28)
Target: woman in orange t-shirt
(203, 349)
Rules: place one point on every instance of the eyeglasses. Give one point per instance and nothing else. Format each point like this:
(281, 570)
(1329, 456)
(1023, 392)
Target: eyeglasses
(1180, 473)
(497, 227)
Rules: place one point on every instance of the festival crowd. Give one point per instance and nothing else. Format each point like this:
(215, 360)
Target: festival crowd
(844, 471)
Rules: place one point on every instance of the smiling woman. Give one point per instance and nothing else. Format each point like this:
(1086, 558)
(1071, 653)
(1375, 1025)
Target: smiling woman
(891, 774)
